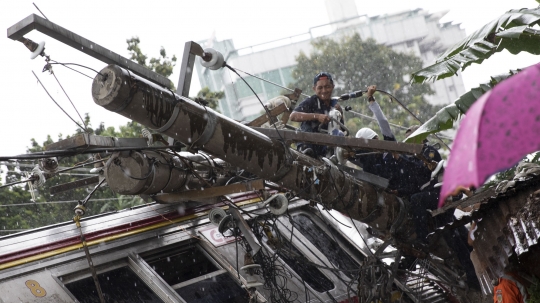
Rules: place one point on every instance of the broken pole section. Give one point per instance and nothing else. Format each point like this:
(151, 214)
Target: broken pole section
(200, 128)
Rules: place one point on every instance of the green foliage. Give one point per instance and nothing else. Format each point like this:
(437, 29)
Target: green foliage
(31, 215)
(444, 119)
(161, 65)
(212, 98)
(534, 291)
(357, 63)
(511, 31)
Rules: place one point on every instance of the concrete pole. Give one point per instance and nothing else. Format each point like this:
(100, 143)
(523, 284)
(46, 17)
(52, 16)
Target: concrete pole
(200, 128)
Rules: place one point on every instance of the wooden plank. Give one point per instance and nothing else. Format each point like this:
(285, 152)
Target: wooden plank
(211, 192)
(356, 143)
(74, 184)
(273, 113)
(480, 197)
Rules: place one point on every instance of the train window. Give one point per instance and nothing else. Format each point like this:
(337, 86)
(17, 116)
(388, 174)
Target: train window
(333, 251)
(195, 276)
(118, 285)
(310, 274)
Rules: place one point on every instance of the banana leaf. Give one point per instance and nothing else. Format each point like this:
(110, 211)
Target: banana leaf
(444, 119)
(512, 31)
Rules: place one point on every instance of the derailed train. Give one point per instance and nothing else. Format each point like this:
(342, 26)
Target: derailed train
(140, 253)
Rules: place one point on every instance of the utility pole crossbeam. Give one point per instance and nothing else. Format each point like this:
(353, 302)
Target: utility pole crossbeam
(35, 22)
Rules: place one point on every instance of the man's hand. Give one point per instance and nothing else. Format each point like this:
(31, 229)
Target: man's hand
(432, 165)
(324, 119)
(371, 90)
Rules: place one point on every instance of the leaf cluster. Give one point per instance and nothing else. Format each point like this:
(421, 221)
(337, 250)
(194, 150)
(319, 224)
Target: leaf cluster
(512, 31)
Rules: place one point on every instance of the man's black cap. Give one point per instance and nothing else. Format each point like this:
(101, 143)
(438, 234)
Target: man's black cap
(323, 75)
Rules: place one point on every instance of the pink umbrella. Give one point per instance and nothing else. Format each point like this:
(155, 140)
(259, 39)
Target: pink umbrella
(498, 130)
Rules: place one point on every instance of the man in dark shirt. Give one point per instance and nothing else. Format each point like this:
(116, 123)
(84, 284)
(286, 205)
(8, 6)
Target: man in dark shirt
(313, 112)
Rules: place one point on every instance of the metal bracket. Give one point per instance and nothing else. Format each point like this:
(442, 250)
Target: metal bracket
(191, 50)
(35, 22)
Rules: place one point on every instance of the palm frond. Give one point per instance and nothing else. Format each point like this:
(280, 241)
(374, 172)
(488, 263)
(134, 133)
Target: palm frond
(444, 119)
(511, 31)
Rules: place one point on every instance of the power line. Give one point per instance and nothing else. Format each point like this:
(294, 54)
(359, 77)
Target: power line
(57, 202)
(56, 102)
(82, 120)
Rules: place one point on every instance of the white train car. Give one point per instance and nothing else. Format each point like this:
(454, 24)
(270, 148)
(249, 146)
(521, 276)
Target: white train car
(166, 253)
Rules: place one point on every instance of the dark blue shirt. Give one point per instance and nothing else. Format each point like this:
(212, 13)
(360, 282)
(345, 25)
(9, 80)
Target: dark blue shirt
(313, 105)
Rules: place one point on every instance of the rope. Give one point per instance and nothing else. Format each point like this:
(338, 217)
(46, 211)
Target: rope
(89, 258)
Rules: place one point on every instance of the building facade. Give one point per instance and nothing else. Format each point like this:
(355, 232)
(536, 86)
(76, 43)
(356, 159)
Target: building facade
(417, 31)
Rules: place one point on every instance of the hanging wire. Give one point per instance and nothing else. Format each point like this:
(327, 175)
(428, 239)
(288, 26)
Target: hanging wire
(57, 103)
(411, 113)
(83, 66)
(262, 79)
(40, 11)
(82, 120)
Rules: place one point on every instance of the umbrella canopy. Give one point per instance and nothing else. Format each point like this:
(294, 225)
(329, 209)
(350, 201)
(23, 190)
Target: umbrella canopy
(499, 129)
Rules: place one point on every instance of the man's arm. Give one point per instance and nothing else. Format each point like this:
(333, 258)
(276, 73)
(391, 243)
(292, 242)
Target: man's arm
(302, 117)
(376, 109)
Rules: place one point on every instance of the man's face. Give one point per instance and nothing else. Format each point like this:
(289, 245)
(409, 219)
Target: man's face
(323, 89)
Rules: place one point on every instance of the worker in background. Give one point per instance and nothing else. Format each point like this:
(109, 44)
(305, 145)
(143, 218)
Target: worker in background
(427, 199)
(400, 171)
(511, 287)
(313, 112)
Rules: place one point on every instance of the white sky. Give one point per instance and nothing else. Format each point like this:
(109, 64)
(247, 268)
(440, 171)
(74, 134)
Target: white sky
(27, 112)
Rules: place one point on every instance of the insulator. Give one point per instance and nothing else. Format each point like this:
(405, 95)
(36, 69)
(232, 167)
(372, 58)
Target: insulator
(147, 134)
(212, 59)
(49, 165)
(38, 174)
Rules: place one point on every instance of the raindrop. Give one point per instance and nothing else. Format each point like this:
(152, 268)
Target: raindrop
(245, 137)
(189, 140)
(168, 259)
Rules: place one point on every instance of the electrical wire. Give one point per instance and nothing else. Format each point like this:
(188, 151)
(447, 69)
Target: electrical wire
(40, 11)
(75, 71)
(282, 140)
(411, 113)
(56, 202)
(65, 64)
(289, 89)
(57, 103)
(82, 120)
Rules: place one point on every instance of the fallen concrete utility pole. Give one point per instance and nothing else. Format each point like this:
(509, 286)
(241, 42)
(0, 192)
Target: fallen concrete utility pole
(200, 128)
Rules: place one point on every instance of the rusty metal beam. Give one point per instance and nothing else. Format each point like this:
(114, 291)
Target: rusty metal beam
(34, 22)
(75, 184)
(210, 192)
(91, 141)
(357, 143)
